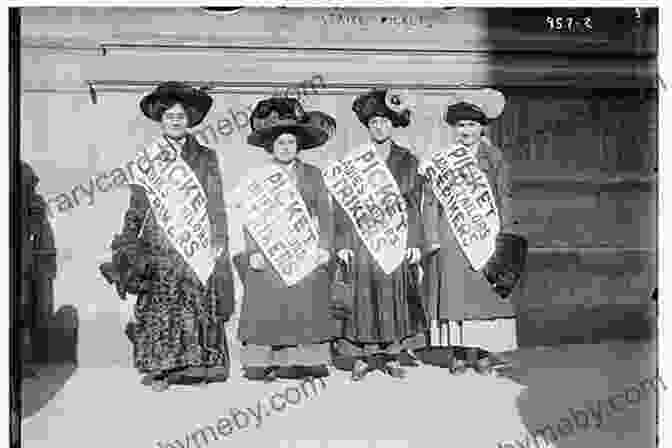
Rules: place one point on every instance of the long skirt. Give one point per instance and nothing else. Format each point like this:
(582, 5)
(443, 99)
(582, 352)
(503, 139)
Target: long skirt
(382, 321)
(463, 304)
(176, 330)
(285, 326)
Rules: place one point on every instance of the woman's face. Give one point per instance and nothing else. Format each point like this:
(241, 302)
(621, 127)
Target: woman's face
(468, 132)
(380, 129)
(174, 121)
(284, 148)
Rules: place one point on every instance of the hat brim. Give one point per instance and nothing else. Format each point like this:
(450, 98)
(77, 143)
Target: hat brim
(465, 111)
(308, 136)
(197, 100)
(483, 106)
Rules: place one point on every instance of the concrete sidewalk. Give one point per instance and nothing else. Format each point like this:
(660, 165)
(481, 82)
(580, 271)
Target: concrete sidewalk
(108, 407)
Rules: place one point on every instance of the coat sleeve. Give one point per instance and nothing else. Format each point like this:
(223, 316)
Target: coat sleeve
(504, 188)
(430, 215)
(416, 234)
(251, 245)
(325, 215)
(242, 259)
(46, 256)
(343, 231)
(222, 278)
(137, 210)
(216, 206)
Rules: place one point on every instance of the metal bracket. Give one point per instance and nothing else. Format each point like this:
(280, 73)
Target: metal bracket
(92, 92)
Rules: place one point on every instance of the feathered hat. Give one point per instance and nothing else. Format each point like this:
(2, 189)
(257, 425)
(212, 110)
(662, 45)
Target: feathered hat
(196, 100)
(278, 115)
(383, 102)
(483, 106)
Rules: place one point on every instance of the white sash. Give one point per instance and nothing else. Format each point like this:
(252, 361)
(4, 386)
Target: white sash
(366, 189)
(278, 219)
(179, 204)
(468, 203)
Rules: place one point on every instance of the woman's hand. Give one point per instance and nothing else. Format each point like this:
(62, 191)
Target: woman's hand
(413, 255)
(422, 167)
(346, 255)
(257, 261)
(322, 256)
(420, 273)
(433, 249)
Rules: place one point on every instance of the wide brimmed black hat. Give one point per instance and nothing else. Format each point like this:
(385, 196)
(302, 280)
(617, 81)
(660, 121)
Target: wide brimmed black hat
(385, 103)
(482, 106)
(196, 100)
(279, 115)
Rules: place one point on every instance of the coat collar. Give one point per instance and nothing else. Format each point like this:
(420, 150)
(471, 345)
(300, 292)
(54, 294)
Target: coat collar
(299, 170)
(395, 151)
(191, 148)
(483, 155)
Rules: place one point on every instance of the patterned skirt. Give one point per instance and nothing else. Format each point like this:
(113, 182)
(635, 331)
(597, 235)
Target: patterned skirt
(176, 328)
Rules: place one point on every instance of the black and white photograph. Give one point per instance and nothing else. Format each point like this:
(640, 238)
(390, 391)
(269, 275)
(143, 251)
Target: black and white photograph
(315, 226)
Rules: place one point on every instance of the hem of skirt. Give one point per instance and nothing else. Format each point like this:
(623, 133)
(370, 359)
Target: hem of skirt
(283, 343)
(180, 368)
(349, 347)
(256, 355)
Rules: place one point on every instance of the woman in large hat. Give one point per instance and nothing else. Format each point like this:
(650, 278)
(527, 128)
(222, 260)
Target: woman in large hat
(179, 336)
(386, 321)
(286, 330)
(471, 307)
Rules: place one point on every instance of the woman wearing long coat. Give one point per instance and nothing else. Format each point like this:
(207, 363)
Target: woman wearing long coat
(286, 331)
(383, 324)
(38, 270)
(180, 323)
(461, 300)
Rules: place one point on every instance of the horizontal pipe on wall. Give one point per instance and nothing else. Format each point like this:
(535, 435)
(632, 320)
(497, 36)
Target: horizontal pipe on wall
(347, 70)
(591, 180)
(582, 185)
(261, 88)
(591, 250)
(350, 90)
(190, 47)
(113, 48)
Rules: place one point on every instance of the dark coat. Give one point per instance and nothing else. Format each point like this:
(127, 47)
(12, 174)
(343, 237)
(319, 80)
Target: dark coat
(180, 322)
(380, 305)
(453, 291)
(275, 314)
(203, 161)
(38, 259)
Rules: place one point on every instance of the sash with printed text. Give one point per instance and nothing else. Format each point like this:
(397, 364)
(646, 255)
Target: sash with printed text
(278, 219)
(179, 204)
(365, 188)
(469, 206)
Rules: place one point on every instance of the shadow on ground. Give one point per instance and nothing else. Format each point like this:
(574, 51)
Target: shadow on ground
(56, 360)
(37, 392)
(562, 381)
